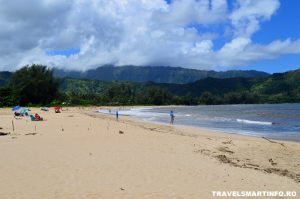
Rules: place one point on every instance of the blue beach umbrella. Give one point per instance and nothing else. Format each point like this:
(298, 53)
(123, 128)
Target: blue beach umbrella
(16, 108)
(24, 111)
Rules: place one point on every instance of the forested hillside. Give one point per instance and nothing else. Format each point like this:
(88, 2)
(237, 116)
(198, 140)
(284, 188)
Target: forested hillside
(158, 74)
(277, 88)
(4, 77)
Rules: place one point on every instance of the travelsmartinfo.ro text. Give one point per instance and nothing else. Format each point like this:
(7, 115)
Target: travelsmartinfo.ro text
(254, 193)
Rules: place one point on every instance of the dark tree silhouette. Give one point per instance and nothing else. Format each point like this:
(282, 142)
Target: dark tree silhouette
(34, 84)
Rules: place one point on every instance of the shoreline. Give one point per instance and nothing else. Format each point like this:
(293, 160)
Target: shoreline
(217, 130)
(84, 154)
(194, 128)
(238, 134)
(227, 139)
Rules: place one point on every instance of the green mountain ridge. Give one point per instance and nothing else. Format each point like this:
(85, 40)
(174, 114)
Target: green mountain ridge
(158, 74)
(5, 77)
(277, 88)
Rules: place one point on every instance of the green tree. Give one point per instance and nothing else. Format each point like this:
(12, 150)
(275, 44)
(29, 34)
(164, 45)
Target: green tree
(121, 93)
(34, 84)
(188, 99)
(6, 98)
(207, 98)
(157, 96)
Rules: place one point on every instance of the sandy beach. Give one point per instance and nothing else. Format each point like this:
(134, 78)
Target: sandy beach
(82, 154)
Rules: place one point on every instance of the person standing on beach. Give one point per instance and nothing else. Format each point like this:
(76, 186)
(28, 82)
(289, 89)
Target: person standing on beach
(172, 116)
(117, 115)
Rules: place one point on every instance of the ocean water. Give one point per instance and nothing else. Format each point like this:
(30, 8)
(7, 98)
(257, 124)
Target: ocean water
(276, 121)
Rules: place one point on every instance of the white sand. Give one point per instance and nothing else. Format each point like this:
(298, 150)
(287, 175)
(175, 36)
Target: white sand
(77, 154)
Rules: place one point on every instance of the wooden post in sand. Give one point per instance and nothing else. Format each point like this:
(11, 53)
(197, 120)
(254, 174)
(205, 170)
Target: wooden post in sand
(108, 124)
(13, 126)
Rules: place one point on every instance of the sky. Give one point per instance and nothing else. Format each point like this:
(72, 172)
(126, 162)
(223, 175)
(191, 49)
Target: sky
(201, 34)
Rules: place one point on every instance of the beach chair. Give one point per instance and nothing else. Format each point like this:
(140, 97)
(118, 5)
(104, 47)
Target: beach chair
(32, 118)
(57, 109)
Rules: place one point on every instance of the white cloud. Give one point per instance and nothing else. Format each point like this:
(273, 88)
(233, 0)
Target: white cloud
(247, 17)
(185, 12)
(137, 32)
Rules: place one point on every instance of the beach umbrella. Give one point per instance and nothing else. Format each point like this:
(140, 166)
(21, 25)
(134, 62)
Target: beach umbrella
(57, 108)
(16, 108)
(44, 109)
(24, 110)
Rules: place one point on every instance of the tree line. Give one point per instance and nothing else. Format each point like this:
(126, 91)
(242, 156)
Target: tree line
(35, 85)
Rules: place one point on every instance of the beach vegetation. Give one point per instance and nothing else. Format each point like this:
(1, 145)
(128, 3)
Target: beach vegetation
(35, 85)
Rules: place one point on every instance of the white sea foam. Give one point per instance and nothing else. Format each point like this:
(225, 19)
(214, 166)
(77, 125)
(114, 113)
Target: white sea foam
(254, 122)
(136, 112)
(222, 119)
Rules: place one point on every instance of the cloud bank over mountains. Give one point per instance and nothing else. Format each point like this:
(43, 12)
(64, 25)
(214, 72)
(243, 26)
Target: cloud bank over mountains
(136, 32)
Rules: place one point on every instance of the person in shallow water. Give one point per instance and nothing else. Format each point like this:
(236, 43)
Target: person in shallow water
(117, 115)
(172, 116)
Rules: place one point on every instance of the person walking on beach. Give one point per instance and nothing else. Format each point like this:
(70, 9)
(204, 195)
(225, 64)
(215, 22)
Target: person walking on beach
(172, 116)
(117, 115)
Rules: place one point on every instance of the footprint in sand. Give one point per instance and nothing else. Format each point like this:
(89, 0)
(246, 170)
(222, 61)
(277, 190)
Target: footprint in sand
(228, 142)
(272, 162)
(203, 151)
(225, 149)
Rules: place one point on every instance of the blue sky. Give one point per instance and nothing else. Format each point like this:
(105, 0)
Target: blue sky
(201, 34)
(64, 52)
(284, 24)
